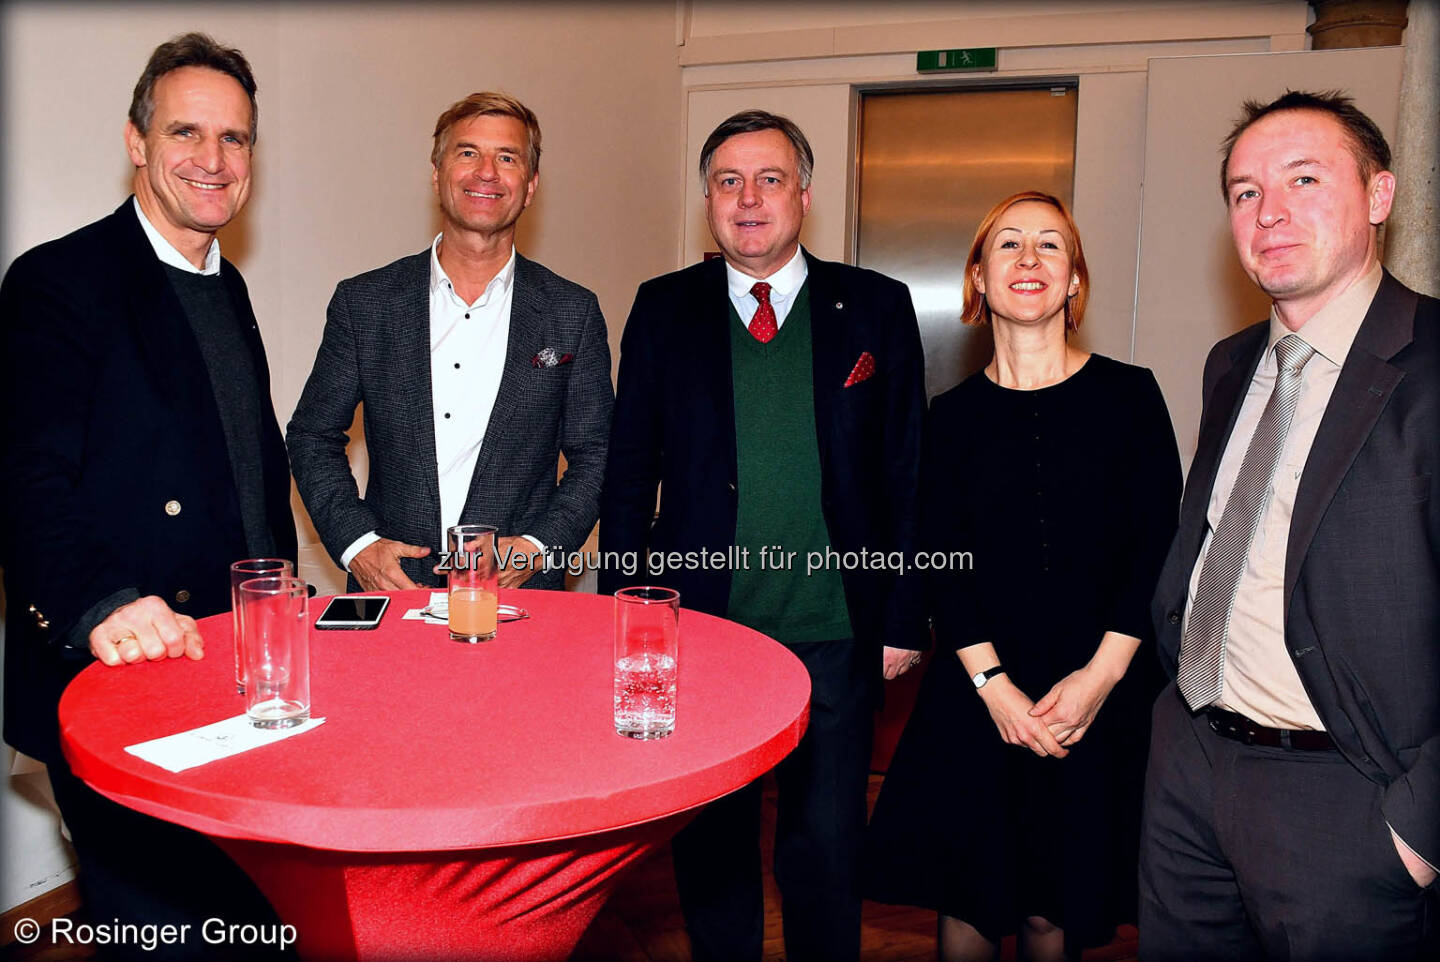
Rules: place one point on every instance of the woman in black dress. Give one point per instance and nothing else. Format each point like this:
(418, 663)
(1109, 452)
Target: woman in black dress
(1013, 801)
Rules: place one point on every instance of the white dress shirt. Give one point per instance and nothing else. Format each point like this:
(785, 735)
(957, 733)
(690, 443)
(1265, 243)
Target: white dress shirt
(467, 357)
(169, 255)
(784, 285)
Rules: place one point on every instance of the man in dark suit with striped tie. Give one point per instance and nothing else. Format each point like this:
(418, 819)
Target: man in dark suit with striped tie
(477, 367)
(1292, 806)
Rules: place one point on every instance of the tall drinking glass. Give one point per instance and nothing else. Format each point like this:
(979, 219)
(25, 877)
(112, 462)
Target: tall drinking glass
(647, 649)
(244, 571)
(474, 594)
(275, 618)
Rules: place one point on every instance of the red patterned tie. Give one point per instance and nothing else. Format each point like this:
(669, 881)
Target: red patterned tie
(763, 324)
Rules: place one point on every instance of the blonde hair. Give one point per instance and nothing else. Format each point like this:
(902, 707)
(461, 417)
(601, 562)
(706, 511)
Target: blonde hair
(489, 102)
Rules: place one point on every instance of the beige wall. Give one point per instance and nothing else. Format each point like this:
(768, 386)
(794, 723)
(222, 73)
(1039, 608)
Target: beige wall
(727, 31)
(1109, 152)
(1192, 291)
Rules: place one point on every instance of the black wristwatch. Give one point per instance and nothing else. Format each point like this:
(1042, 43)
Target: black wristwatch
(981, 677)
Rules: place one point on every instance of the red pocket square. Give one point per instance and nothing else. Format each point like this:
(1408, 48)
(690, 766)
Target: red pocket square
(862, 370)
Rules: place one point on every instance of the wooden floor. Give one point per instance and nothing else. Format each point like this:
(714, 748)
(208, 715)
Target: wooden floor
(642, 922)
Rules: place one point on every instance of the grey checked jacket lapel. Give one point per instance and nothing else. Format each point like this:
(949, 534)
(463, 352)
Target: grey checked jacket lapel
(527, 328)
(411, 375)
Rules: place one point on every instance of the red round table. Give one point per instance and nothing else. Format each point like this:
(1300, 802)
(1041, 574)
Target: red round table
(460, 801)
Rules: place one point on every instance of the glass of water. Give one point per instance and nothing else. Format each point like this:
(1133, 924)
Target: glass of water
(647, 648)
(240, 572)
(275, 619)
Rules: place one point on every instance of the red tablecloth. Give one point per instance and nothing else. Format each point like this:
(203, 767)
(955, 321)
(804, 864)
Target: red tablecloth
(364, 831)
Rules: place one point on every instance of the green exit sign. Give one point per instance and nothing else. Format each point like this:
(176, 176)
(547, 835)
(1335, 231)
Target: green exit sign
(966, 58)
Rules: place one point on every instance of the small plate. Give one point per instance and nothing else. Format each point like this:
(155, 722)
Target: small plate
(503, 612)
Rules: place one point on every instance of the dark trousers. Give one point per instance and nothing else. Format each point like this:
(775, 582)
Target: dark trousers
(819, 827)
(139, 870)
(1249, 852)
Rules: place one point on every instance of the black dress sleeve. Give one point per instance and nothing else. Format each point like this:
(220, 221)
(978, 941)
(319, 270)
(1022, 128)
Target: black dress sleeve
(951, 591)
(1148, 504)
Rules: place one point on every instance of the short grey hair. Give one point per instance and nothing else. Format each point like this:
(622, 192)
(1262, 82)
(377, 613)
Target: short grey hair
(191, 50)
(752, 121)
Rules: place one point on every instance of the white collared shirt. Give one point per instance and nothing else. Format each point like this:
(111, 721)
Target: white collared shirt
(1260, 680)
(169, 255)
(467, 358)
(784, 285)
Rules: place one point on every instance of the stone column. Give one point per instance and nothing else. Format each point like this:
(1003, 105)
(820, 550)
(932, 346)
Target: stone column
(1356, 23)
(1412, 234)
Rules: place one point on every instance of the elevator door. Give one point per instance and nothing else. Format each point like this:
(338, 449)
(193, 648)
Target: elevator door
(930, 165)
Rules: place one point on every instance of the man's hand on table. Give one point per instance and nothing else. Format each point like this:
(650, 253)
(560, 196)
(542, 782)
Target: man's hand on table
(898, 661)
(377, 567)
(145, 629)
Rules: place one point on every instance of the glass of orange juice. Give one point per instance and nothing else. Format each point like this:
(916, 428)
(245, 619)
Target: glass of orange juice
(474, 592)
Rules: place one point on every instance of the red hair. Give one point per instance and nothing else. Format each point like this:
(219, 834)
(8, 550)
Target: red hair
(977, 310)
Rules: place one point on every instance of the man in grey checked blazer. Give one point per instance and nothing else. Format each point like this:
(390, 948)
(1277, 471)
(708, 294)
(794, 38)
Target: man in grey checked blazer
(477, 369)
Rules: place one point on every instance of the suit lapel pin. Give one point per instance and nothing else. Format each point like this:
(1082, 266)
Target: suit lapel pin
(839, 305)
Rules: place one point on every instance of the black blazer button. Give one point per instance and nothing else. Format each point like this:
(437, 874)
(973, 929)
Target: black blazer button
(1173, 617)
(182, 596)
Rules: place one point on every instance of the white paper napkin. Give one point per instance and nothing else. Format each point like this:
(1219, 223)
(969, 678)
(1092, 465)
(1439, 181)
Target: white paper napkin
(436, 613)
(210, 743)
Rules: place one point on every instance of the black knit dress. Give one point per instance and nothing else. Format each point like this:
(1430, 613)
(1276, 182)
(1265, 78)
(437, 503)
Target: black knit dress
(1067, 499)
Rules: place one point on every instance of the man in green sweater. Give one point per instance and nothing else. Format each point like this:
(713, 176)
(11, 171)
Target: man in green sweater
(776, 401)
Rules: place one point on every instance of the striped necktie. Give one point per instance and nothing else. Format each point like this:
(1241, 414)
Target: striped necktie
(1202, 650)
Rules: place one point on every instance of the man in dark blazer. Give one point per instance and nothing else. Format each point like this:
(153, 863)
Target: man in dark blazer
(776, 402)
(1293, 791)
(477, 368)
(140, 457)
